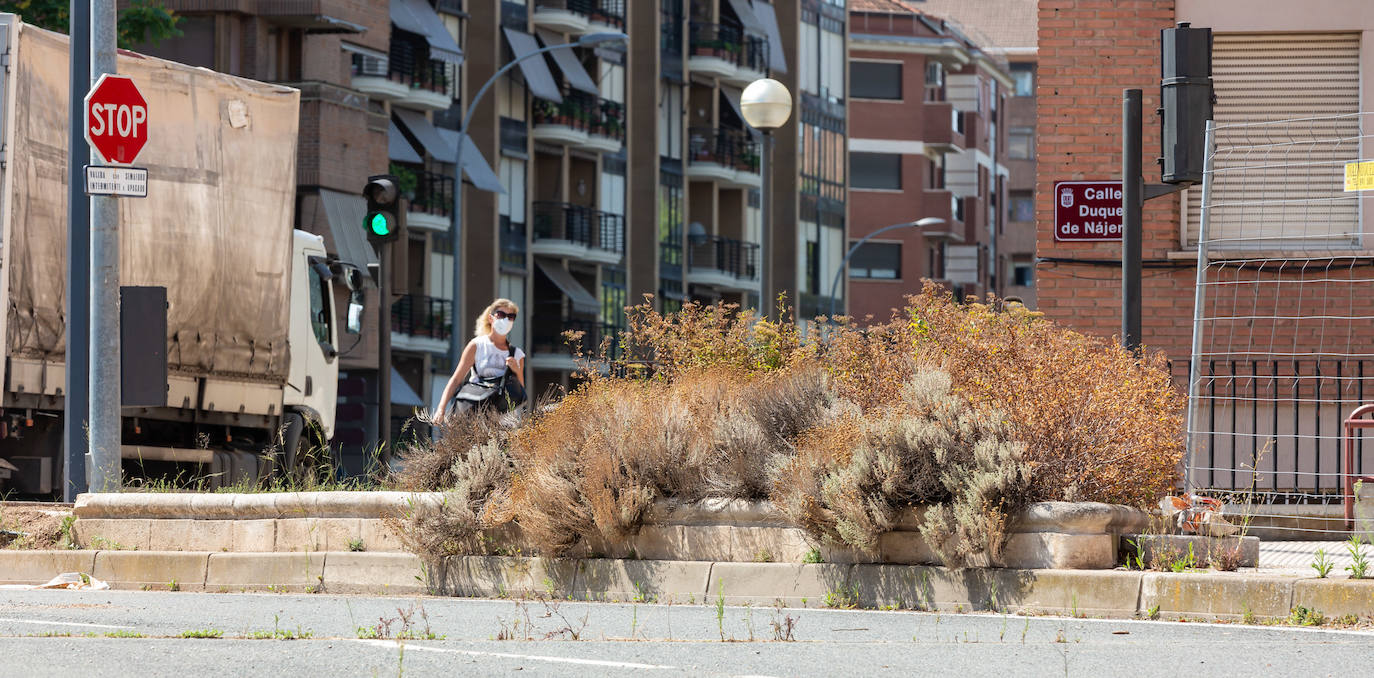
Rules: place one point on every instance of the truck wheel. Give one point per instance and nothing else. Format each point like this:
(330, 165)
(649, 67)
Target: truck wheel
(306, 455)
(292, 430)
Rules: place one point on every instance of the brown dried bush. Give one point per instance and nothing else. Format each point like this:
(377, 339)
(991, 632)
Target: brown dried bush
(429, 464)
(1098, 422)
(476, 499)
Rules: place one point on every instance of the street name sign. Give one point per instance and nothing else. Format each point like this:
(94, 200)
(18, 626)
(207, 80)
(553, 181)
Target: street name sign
(129, 182)
(1087, 211)
(116, 119)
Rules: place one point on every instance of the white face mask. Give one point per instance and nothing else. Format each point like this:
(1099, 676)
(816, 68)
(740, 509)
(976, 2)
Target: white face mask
(502, 325)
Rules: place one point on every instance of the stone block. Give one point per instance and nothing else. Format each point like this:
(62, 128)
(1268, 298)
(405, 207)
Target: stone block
(300, 534)
(768, 544)
(378, 537)
(767, 583)
(659, 542)
(374, 573)
(38, 567)
(1221, 596)
(1056, 551)
(117, 534)
(153, 569)
(171, 534)
(642, 581)
(339, 532)
(210, 535)
(1203, 548)
(709, 543)
(1094, 593)
(506, 577)
(264, 571)
(906, 548)
(253, 536)
(1336, 597)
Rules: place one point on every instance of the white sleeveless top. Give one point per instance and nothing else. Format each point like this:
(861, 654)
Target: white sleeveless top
(490, 361)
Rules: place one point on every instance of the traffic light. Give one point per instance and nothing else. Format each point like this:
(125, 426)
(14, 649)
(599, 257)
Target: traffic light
(383, 221)
(1187, 98)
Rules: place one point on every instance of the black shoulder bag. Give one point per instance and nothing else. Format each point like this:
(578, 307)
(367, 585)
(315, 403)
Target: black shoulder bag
(501, 394)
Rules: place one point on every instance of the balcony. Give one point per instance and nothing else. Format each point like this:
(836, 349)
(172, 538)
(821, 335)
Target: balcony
(421, 324)
(725, 263)
(727, 52)
(729, 156)
(943, 204)
(550, 349)
(513, 247)
(608, 15)
(577, 232)
(581, 120)
(372, 76)
(430, 195)
(944, 127)
(971, 130)
(564, 16)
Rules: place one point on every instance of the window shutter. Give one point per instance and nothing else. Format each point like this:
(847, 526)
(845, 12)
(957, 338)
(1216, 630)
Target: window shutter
(1262, 77)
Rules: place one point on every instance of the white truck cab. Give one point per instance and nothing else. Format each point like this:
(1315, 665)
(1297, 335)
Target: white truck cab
(313, 382)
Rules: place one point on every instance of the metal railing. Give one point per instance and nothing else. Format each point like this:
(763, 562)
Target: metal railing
(408, 63)
(579, 224)
(730, 43)
(584, 112)
(419, 316)
(734, 148)
(610, 12)
(736, 258)
(433, 194)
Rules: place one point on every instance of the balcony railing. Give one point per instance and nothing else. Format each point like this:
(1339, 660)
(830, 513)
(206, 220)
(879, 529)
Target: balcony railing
(409, 64)
(610, 12)
(731, 148)
(512, 245)
(729, 43)
(433, 194)
(582, 111)
(548, 337)
(579, 224)
(736, 258)
(418, 316)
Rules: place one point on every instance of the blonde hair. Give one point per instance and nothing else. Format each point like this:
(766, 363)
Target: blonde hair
(484, 320)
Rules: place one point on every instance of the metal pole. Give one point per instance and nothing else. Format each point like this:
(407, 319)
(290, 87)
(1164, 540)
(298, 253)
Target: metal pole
(766, 294)
(384, 350)
(77, 387)
(104, 350)
(1195, 366)
(1132, 204)
(835, 283)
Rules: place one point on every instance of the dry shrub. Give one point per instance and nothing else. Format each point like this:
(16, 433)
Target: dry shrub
(698, 337)
(429, 464)
(852, 478)
(1099, 423)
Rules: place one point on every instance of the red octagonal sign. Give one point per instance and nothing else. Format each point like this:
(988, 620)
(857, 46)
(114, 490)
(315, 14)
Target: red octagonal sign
(116, 119)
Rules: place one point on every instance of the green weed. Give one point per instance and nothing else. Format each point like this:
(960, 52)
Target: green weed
(1322, 564)
(1360, 561)
(202, 633)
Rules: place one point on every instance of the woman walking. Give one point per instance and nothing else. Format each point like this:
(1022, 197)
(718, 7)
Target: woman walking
(491, 372)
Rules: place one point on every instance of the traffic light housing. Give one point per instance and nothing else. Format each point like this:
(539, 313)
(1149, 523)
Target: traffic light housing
(383, 220)
(1186, 101)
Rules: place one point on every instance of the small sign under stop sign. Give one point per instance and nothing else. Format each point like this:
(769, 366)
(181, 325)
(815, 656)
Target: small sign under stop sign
(1087, 211)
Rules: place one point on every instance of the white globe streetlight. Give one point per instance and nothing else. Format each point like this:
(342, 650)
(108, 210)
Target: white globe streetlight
(766, 105)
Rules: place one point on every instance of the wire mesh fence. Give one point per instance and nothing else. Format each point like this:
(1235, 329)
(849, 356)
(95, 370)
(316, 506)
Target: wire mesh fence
(1283, 326)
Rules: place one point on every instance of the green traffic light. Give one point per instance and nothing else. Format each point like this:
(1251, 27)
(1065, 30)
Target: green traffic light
(380, 225)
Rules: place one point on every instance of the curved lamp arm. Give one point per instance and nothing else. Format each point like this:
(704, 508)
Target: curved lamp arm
(834, 286)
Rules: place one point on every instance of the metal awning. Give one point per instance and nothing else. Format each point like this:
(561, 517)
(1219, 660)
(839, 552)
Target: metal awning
(401, 392)
(424, 132)
(535, 69)
(567, 62)
(416, 16)
(474, 163)
(747, 17)
(345, 214)
(398, 148)
(732, 96)
(777, 57)
(582, 300)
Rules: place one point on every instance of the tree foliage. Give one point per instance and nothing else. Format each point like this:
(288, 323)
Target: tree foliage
(142, 22)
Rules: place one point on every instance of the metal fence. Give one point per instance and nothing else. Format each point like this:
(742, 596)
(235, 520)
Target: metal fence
(1283, 319)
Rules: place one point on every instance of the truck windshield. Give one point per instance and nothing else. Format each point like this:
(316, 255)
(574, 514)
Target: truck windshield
(321, 316)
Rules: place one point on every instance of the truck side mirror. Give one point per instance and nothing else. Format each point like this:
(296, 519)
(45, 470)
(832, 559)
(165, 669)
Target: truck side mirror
(355, 312)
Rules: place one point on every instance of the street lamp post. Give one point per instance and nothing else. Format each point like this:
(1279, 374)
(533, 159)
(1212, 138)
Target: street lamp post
(455, 343)
(766, 105)
(834, 286)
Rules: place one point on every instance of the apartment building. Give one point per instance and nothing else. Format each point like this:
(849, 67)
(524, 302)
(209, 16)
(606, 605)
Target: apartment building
(629, 170)
(929, 102)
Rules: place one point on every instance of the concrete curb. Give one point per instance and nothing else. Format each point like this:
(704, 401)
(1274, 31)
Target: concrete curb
(1110, 593)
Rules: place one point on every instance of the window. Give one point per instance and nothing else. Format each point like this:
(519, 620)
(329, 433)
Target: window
(670, 113)
(832, 55)
(1022, 206)
(1024, 76)
(614, 298)
(1021, 143)
(821, 46)
(937, 172)
(321, 315)
(808, 45)
(1023, 275)
(510, 98)
(513, 287)
(612, 82)
(877, 261)
(875, 80)
(511, 204)
(875, 171)
(670, 219)
(935, 81)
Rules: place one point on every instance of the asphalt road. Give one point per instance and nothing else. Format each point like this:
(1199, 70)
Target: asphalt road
(66, 633)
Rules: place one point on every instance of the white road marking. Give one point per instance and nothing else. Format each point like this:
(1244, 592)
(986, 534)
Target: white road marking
(534, 657)
(59, 623)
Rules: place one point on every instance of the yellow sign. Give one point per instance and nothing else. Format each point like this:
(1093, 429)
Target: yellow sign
(1359, 176)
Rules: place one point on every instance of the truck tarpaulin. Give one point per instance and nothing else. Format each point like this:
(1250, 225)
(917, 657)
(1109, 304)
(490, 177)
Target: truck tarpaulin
(215, 229)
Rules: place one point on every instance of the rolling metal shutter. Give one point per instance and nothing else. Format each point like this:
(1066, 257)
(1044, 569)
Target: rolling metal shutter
(1294, 168)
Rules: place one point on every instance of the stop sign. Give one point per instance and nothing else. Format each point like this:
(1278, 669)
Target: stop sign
(116, 119)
